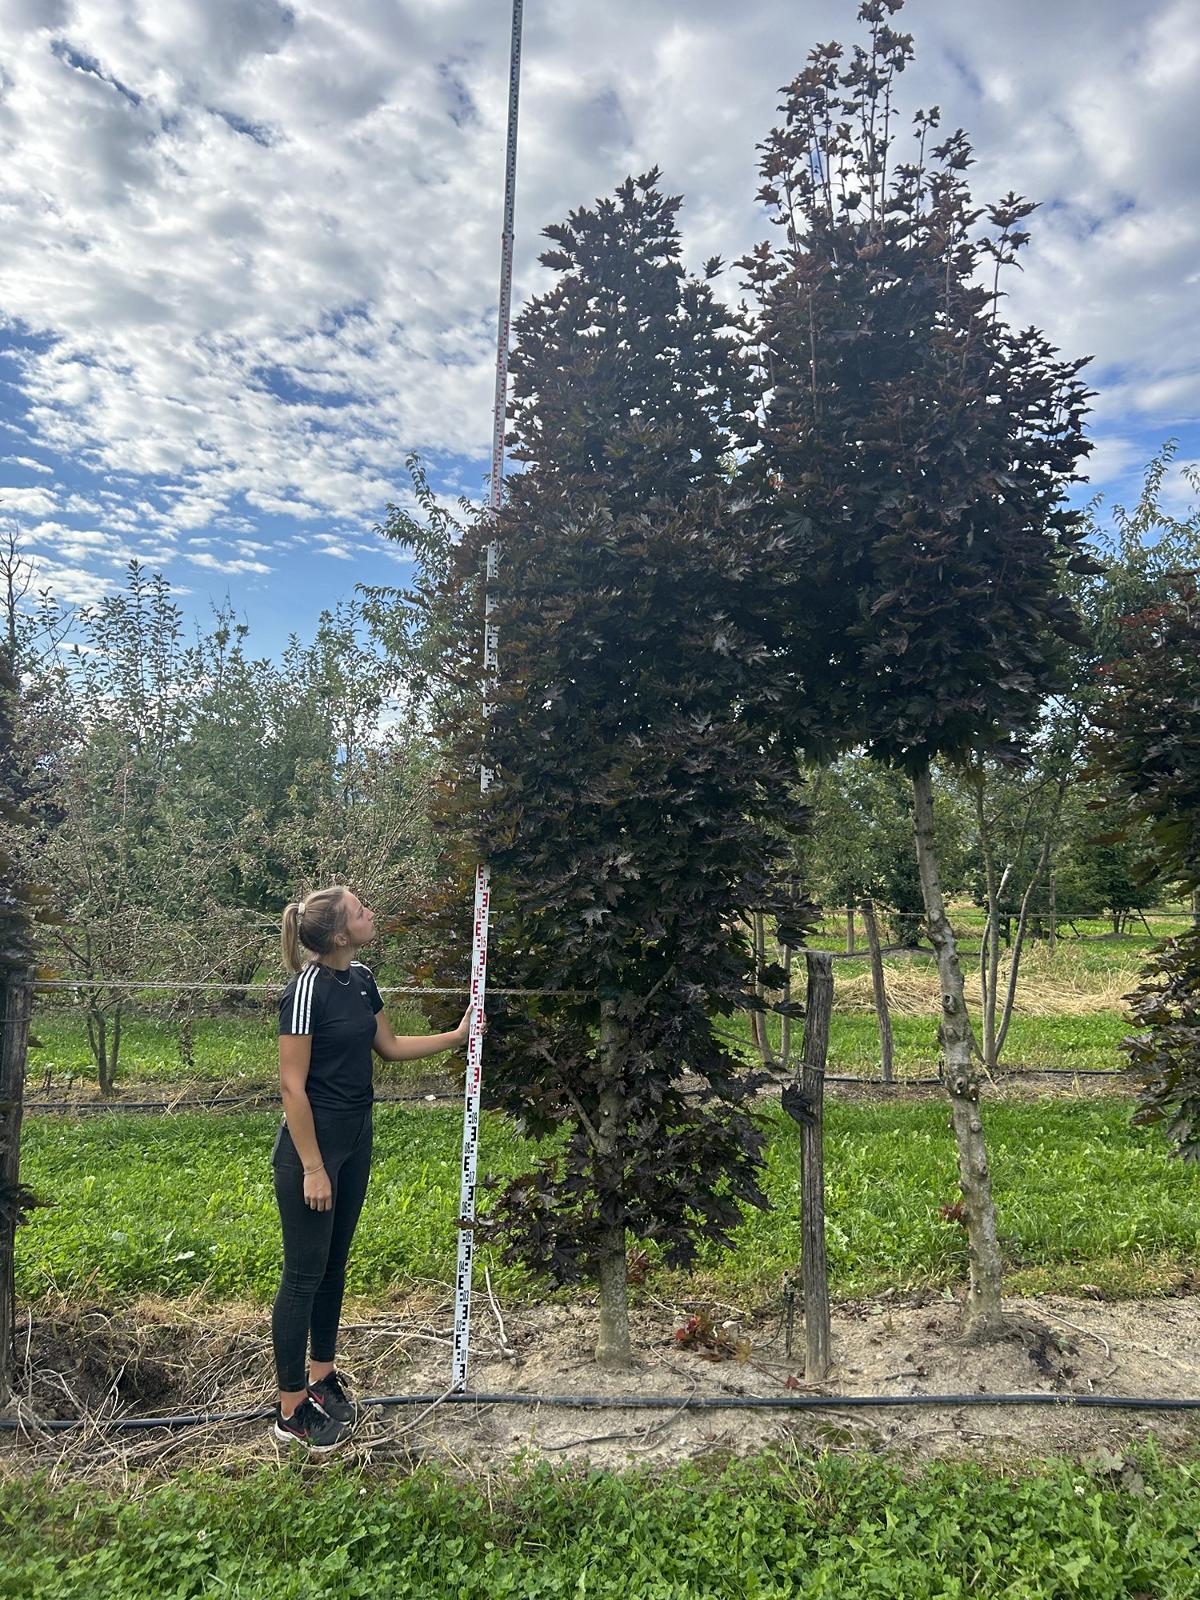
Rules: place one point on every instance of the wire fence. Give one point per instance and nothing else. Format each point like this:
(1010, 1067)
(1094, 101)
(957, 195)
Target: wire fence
(156, 1008)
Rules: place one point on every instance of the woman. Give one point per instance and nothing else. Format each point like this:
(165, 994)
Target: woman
(330, 1019)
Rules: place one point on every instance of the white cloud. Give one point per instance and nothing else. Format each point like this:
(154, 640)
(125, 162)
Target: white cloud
(257, 243)
(27, 462)
(1111, 458)
(77, 585)
(29, 502)
(1181, 488)
(204, 558)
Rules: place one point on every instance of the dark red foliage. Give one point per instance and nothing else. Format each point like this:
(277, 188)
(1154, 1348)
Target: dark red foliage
(914, 445)
(631, 737)
(1148, 739)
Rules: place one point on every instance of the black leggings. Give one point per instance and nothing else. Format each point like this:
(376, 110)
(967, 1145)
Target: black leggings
(316, 1243)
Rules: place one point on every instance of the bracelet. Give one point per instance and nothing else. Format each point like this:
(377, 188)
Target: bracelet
(308, 1171)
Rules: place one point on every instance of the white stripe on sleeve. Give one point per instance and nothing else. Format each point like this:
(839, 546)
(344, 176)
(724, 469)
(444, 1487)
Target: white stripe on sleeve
(308, 994)
(301, 1000)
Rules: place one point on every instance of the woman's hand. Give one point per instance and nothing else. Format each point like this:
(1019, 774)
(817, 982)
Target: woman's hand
(463, 1032)
(318, 1191)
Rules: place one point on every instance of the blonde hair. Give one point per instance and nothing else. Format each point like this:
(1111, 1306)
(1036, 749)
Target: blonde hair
(312, 924)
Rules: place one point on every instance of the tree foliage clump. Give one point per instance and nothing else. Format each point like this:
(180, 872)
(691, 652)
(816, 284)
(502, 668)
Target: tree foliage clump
(861, 841)
(177, 792)
(1149, 741)
(630, 742)
(920, 444)
(16, 923)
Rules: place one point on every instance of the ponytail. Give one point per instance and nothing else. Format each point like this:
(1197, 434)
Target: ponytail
(289, 938)
(311, 924)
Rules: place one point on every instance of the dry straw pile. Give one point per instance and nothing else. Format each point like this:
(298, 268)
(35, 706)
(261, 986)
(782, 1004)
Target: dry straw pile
(1043, 989)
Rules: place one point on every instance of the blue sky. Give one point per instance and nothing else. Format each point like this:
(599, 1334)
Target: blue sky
(248, 250)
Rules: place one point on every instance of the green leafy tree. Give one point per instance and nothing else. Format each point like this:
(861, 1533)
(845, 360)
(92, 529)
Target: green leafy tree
(297, 771)
(180, 792)
(631, 747)
(1112, 875)
(128, 873)
(861, 843)
(17, 902)
(917, 448)
(1143, 549)
(417, 624)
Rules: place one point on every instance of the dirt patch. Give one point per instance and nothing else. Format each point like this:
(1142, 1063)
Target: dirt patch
(155, 1357)
(1014, 1081)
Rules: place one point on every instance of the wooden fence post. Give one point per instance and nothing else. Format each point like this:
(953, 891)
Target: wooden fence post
(804, 1100)
(16, 1002)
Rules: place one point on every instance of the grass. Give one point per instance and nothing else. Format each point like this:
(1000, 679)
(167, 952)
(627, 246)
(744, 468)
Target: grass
(778, 1528)
(1082, 1197)
(1077, 1043)
(161, 1205)
(233, 1050)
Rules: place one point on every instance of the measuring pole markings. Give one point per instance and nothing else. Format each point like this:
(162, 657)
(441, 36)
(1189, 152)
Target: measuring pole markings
(491, 660)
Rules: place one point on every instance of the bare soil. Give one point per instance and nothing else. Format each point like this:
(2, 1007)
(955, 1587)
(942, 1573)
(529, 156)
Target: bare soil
(1015, 1081)
(157, 1357)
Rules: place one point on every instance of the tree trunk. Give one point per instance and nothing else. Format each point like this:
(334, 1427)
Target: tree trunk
(1053, 935)
(814, 1264)
(989, 948)
(883, 1015)
(785, 1026)
(984, 1313)
(1019, 944)
(612, 1340)
(16, 1002)
(758, 1019)
(116, 1048)
(849, 927)
(98, 1039)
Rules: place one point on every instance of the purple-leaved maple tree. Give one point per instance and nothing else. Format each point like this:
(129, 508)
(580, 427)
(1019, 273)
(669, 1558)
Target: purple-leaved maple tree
(917, 448)
(636, 765)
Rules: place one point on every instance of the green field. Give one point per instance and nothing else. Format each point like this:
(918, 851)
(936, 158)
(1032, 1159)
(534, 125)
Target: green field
(151, 1204)
(238, 1052)
(1074, 1044)
(779, 1528)
(237, 1049)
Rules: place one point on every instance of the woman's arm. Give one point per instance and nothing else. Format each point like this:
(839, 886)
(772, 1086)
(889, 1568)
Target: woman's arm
(413, 1047)
(295, 1055)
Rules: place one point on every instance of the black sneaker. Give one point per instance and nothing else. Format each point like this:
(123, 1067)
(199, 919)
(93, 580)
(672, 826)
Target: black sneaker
(330, 1394)
(309, 1426)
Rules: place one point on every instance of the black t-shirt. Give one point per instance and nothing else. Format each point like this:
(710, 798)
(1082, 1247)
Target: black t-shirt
(338, 1009)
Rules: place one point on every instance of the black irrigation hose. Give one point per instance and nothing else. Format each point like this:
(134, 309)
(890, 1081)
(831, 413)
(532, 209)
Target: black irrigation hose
(641, 1402)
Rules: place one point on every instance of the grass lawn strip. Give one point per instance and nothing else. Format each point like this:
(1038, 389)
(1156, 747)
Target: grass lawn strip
(163, 1205)
(846, 1527)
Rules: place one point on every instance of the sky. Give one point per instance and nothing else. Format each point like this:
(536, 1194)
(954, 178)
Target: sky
(249, 251)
